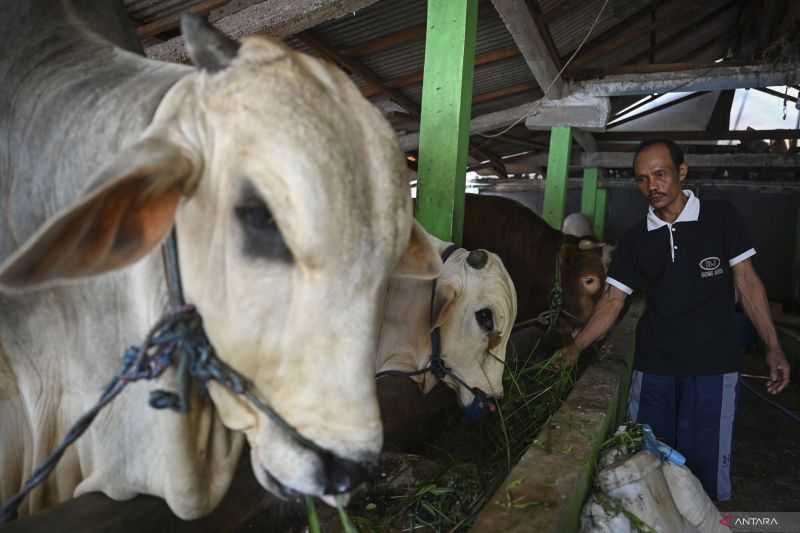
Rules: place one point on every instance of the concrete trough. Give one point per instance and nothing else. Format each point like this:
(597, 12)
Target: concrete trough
(546, 490)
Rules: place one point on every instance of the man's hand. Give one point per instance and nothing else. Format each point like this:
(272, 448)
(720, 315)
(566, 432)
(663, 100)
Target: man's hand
(569, 356)
(603, 317)
(779, 370)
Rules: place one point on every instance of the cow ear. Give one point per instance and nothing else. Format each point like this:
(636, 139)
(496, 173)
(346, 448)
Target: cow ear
(113, 224)
(209, 48)
(420, 259)
(444, 303)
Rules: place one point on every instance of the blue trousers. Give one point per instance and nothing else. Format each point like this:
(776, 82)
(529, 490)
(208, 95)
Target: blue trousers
(695, 416)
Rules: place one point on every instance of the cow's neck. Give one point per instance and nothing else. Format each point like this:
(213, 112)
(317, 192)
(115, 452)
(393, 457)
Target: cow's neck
(405, 342)
(548, 245)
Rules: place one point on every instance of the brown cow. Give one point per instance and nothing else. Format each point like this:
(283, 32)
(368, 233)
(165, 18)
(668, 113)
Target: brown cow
(528, 247)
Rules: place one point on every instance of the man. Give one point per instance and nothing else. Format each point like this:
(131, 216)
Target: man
(687, 257)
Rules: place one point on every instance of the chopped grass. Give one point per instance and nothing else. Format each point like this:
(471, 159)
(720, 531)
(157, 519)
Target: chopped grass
(313, 519)
(468, 463)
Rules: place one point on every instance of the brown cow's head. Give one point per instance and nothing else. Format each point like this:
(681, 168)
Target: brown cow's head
(584, 263)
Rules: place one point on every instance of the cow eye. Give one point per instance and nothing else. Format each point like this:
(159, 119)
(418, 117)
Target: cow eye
(485, 319)
(256, 217)
(262, 237)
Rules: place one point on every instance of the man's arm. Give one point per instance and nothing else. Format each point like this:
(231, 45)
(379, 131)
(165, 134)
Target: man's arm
(754, 301)
(604, 316)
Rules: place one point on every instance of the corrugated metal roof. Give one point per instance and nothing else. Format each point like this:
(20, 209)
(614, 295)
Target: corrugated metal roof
(380, 19)
(408, 58)
(569, 30)
(568, 22)
(145, 11)
(500, 74)
(501, 103)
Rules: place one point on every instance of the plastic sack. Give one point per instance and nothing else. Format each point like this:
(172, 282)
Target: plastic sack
(597, 519)
(691, 499)
(639, 486)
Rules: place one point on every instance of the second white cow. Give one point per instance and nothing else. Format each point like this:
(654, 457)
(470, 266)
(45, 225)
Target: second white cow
(474, 307)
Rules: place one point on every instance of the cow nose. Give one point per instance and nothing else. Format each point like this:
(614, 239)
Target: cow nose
(477, 259)
(343, 475)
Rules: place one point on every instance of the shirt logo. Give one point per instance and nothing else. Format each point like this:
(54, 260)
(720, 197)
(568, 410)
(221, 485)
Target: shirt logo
(710, 267)
(710, 263)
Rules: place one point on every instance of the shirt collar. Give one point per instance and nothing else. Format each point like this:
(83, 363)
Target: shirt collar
(690, 213)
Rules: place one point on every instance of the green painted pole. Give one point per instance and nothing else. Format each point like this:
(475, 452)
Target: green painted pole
(446, 110)
(600, 213)
(555, 186)
(589, 192)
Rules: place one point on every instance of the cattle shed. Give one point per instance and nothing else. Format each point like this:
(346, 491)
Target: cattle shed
(542, 101)
(616, 73)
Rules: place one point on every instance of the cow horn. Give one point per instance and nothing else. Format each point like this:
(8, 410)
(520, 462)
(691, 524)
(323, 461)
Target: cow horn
(209, 48)
(477, 259)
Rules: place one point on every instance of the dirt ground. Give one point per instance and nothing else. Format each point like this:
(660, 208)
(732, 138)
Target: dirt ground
(766, 448)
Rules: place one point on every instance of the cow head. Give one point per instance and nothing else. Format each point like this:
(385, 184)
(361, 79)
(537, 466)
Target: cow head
(475, 307)
(584, 264)
(291, 206)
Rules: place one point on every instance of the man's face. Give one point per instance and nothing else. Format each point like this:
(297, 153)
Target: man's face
(657, 177)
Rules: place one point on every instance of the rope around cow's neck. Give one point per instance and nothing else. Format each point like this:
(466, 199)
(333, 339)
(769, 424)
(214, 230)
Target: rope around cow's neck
(177, 339)
(549, 317)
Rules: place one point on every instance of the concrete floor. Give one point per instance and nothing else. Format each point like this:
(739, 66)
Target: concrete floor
(766, 449)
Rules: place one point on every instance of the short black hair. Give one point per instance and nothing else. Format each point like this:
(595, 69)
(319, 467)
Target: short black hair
(675, 152)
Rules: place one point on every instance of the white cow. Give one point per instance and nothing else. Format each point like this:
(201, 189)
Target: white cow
(287, 191)
(475, 307)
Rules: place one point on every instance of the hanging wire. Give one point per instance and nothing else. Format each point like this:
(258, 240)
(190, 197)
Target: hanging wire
(533, 112)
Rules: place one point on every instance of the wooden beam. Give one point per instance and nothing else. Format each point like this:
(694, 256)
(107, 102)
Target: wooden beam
(494, 161)
(618, 35)
(624, 39)
(173, 22)
(506, 53)
(542, 22)
(531, 42)
(717, 135)
(555, 185)
(698, 30)
(444, 127)
(522, 141)
(279, 19)
(625, 159)
(525, 184)
(720, 119)
(778, 94)
(708, 79)
(585, 139)
(479, 124)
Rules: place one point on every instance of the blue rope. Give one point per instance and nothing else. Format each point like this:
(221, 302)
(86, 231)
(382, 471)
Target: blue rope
(179, 338)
